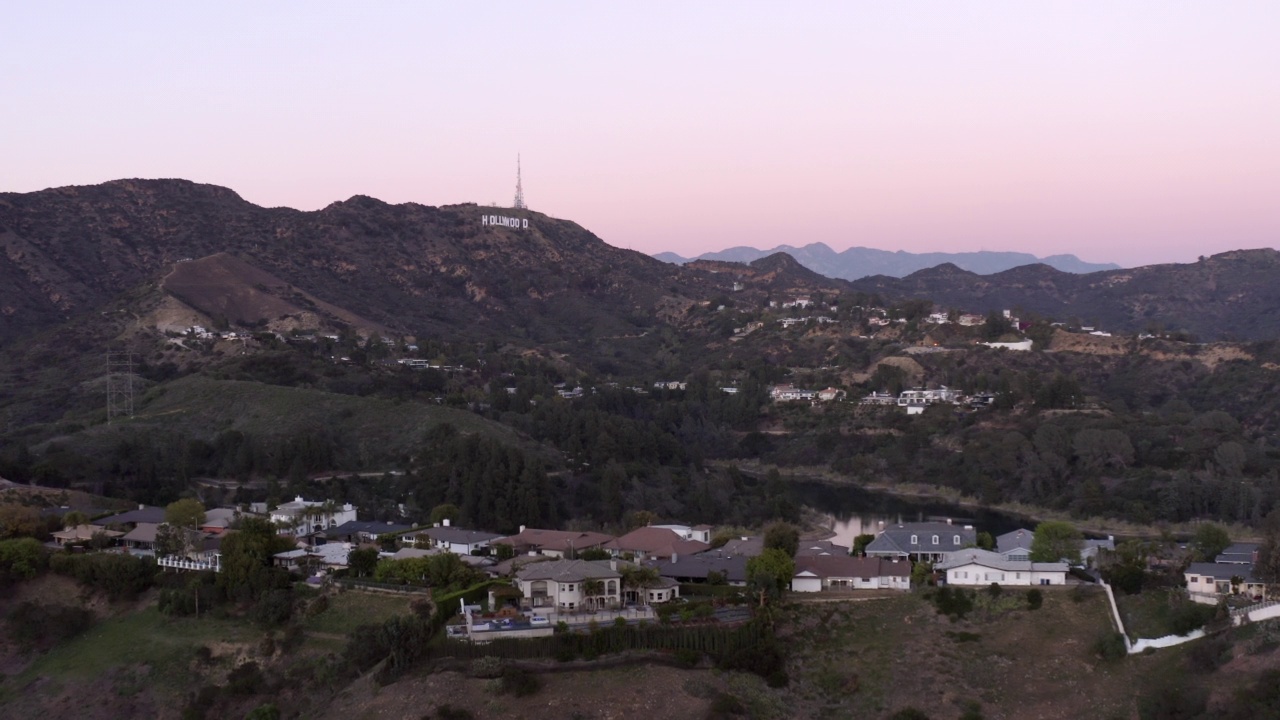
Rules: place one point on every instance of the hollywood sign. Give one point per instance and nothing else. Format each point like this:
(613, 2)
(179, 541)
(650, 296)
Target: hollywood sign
(500, 221)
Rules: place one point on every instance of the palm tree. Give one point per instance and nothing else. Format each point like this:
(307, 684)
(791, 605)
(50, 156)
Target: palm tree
(593, 589)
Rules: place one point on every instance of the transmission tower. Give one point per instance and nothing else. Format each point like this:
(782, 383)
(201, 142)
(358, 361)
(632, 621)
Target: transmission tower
(119, 385)
(519, 187)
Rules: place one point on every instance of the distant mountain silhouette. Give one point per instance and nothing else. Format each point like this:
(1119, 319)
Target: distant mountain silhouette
(860, 262)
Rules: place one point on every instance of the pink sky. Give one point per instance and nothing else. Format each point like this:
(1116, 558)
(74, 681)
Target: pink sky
(1132, 132)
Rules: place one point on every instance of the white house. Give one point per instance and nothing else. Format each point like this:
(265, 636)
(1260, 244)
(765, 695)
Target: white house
(457, 540)
(701, 533)
(303, 516)
(564, 584)
(815, 573)
(982, 567)
(787, 393)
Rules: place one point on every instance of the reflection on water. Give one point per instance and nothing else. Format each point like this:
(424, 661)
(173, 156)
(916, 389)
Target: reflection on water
(853, 511)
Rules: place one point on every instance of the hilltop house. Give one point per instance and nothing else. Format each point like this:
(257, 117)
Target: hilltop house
(302, 517)
(1209, 582)
(362, 531)
(977, 567)
(924, 541)
(701, 533)
(787, 393)
(732, 569)
(1016, 544)
(563, 584)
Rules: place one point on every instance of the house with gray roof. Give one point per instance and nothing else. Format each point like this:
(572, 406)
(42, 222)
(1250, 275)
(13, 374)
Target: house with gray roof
(922, 541)
(459, 541)
(814, 548)
(746, 546)
(362, 531)
(698, 568)
(1016, 544)
(1239, 554)
(1210, 582)
(973, 566)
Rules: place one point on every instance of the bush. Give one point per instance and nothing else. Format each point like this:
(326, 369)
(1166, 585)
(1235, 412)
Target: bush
(909, 713)
(317, 606)
(33, 624)
(1210, 653)
(1173, 701)
(519, 682)
(489, 666)
(994, 590)
(247, 679)
(1035, 598)
(1110, 646)
(120, 577)
(725, 706)
(955, 603)
(1188, 616)
(688, 657)
(274, 608)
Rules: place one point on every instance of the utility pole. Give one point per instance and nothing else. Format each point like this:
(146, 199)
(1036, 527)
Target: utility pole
(119, 385)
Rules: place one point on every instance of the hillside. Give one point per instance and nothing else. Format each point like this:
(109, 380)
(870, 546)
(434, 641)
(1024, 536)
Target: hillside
(1227, 296)
(860, 262)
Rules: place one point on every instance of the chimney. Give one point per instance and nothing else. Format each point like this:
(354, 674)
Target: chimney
(522, 528)
(675, 557)
(435, 524)
(948, 521)
(613, 565)
(744, 538)
(446, 522)
(141, 506)
(968, 527)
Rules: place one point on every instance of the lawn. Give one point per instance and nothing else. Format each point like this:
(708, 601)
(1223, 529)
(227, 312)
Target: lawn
(353, 608)
(166, 645)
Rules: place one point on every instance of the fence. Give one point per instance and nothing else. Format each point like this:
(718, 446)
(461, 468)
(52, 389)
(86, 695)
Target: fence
(362, 584)
(709, 640)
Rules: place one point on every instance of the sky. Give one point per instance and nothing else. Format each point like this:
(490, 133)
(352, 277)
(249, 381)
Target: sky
(1127, 132)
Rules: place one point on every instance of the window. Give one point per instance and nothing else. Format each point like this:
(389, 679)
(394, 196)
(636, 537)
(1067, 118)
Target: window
(955, 540)
(935, 539)
(1195, 579)
(915, 540)
(569, 589)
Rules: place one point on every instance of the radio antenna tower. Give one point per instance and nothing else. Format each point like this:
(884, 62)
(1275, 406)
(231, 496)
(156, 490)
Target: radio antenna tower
(119, 385)
(519, 205)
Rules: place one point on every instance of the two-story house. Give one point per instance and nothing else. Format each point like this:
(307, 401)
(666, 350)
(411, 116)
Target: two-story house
(923, 541)
(570, 584)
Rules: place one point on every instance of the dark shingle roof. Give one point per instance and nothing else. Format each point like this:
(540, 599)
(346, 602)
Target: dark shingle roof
(351, 527)
(897, 539)
(568, 571)
(459, 535)
(143, 514)
(696, 567)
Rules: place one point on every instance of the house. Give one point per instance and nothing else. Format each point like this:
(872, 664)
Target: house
(330, 555)
(745, 546)
(787, 393)
(302, 516)
(553, 543)
(698, 568)
(879, 398)
(458, 541)
(217, 520)
(84, 533)
(701, 533)
(1092, 546)
(654, 543)
(1021, 346)
(982, 567)
(830, 394)
(129, 518)
(1239, 554)
(815, 573)
(801, 301)
(1210, 582)
(927, 396)
(969, 320)
(1016, 544)
(141, 540)
(363, 531)
(923, 541)
(814, 548)
(938, 318)
(570, 584)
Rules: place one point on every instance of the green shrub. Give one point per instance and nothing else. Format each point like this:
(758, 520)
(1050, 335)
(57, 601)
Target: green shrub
(519, 682)
(1110, 646)
(1035, 598)
(33, 624)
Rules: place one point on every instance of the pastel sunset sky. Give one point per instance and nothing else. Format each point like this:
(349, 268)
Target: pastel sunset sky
(1129, 132)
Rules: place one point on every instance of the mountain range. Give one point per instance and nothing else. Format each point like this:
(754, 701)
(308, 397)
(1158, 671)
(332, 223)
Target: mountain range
(859, 262)
(474, 273)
